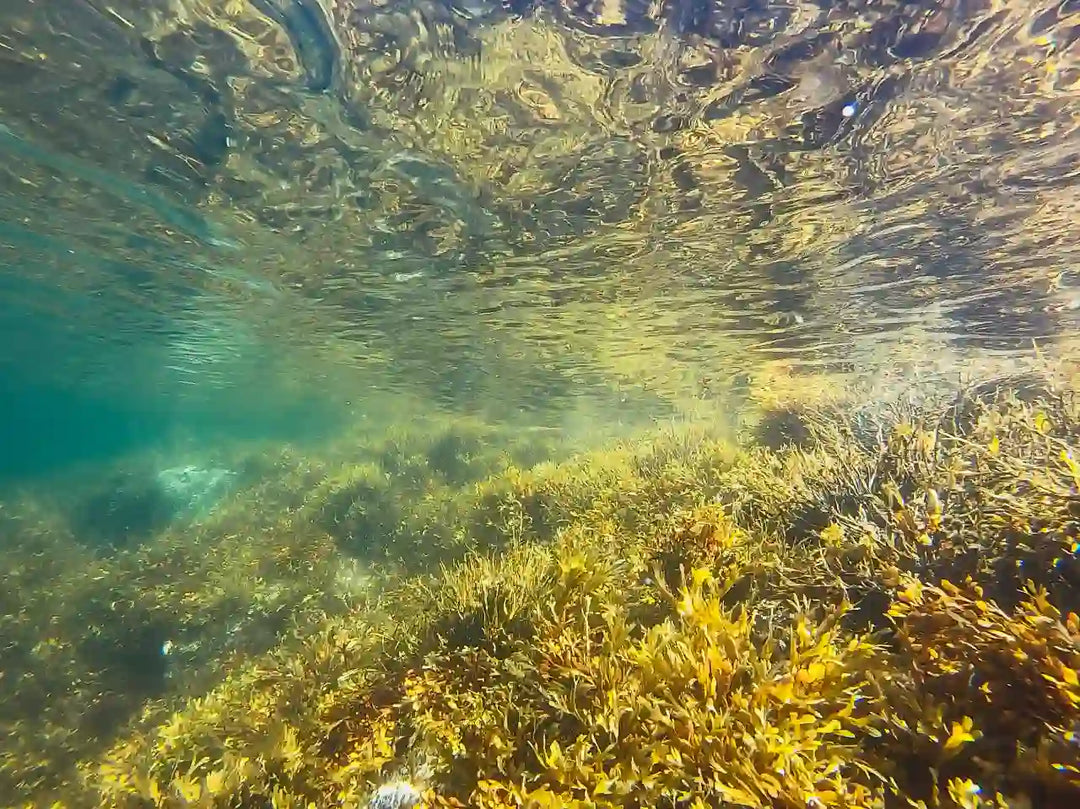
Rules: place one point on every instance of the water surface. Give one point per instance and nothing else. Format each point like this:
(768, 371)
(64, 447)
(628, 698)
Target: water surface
(508, 207)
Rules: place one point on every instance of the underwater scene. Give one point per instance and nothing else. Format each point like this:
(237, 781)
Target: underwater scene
(522, 404)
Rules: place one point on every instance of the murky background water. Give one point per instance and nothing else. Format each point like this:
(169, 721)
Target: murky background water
(510, 206)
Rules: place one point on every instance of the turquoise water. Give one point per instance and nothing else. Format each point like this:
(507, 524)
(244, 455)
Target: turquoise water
(265, 221)
(49, 428)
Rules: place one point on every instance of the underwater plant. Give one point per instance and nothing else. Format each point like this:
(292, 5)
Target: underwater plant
(99, 632)
(670, 622)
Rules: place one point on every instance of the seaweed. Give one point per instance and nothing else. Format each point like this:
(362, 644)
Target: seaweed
(871, 618)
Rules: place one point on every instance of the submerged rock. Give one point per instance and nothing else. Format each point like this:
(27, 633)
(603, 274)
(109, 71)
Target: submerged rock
(130, 507)
(194, 491)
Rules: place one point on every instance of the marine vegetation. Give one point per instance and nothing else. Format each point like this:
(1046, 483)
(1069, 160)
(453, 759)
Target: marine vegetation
(104, 612)
(883, 616)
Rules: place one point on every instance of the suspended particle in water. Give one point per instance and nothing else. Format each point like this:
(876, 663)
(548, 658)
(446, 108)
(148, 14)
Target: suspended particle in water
(849, 109)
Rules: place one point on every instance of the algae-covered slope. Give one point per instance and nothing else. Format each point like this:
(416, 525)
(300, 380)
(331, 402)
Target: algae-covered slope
(880, 617)
(113, 601)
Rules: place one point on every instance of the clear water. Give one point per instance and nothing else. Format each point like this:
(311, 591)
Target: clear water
(221, 203)
(264, 220)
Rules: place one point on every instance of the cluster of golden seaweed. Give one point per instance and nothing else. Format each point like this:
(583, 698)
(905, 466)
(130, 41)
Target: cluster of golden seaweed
(875, 619)
(993, 694)
(89, 636)
(95, 632)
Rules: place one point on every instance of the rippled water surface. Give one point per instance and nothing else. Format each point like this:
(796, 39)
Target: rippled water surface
(524, 201)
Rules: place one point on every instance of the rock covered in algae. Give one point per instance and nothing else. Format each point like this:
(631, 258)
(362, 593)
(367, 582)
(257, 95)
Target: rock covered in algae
(833, 623)
(194, 491)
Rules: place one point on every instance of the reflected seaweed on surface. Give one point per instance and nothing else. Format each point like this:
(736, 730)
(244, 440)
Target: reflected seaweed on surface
(311, 38)
(845, 148)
